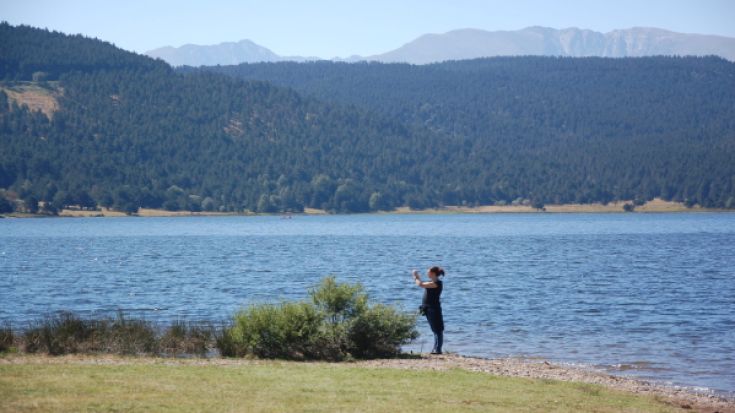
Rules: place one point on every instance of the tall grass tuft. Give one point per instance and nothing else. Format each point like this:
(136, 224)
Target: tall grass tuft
(66, 333)
(7, 338)
(123, 335)
(55, 335)
(186, 338)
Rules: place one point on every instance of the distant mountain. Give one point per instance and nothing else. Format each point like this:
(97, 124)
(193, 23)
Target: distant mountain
(228, 53)
(473, 43)
(543, 41)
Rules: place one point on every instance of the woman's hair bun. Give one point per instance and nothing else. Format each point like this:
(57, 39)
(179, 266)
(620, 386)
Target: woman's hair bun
(439, 271)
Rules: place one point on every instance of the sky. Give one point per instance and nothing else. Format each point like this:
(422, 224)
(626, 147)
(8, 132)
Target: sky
(330, 28)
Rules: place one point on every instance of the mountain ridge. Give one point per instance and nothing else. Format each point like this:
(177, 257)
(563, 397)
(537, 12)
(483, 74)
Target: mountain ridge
(465, 44)
(471, 43)
(225, 53)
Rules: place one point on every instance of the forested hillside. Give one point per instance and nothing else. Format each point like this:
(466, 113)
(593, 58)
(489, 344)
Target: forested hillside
(126, 131)
(553, 129)
(143, 136)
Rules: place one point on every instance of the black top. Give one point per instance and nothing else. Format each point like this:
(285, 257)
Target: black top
(431, 295)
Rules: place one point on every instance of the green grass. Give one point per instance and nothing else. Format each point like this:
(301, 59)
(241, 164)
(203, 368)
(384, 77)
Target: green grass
(289, 387)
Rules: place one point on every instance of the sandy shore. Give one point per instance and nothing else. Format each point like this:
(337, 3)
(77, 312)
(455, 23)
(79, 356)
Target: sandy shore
(148, 212)
(511, 367)
(655, 205)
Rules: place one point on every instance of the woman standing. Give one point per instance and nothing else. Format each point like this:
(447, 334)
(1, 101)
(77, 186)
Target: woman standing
(431, 305)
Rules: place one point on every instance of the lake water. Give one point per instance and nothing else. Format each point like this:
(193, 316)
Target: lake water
(651, 295)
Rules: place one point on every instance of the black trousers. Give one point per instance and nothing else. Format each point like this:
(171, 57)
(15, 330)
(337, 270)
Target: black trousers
(436, 322)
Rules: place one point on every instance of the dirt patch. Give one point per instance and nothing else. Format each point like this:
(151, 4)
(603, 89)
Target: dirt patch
(34, 97)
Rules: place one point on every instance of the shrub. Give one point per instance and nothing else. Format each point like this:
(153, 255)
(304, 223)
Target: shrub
(338, 323)
(380, 331)
(287, 330)
(339, 302)
(226, 343)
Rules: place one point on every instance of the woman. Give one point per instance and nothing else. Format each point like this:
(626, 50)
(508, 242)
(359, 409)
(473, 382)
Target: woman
(431, 306)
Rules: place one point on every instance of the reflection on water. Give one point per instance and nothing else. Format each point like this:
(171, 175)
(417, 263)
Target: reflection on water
(645, 294)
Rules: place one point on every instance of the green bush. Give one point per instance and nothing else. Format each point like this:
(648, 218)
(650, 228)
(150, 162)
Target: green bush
(337, 324)
(288, 330)
(380, 331)
(226, 343)
(339, 302)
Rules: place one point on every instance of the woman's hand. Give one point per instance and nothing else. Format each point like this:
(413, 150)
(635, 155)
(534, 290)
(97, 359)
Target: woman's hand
(416, 277)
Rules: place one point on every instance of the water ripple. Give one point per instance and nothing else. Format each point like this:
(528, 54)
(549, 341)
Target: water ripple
(650, 295)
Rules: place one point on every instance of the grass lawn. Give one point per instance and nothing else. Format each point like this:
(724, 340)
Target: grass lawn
(145, 385)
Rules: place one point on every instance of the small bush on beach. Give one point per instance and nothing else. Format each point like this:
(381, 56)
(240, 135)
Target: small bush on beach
(288, 330)
(337, 324)
(380, 331)
(227, 345)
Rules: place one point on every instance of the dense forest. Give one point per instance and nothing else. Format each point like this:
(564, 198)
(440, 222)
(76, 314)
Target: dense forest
(553, 129)
(129, 131)
(144, 136)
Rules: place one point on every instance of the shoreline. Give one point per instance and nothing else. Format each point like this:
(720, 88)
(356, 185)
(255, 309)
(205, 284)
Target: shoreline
(677, 396)
(653, 206)
(686, 397)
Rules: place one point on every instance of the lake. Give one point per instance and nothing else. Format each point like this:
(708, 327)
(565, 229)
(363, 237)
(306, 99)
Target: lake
(650, 295)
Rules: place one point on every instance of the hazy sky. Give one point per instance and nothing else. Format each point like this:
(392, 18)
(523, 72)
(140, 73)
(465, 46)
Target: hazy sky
(328, 28)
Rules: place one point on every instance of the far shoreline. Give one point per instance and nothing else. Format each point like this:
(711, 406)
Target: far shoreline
(654, 206)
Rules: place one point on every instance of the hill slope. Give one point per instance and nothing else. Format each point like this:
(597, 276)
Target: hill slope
(554, 129)
(141, 135)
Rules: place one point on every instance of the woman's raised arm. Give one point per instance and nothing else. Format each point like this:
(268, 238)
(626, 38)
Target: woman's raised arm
(422, 284)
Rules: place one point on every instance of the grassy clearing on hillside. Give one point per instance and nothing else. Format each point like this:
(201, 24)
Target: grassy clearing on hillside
(148, 384)
(33, 95)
